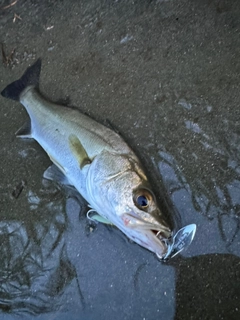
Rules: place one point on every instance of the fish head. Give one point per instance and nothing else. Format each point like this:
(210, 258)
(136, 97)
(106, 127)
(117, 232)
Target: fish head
(120, 192)
(143, 222)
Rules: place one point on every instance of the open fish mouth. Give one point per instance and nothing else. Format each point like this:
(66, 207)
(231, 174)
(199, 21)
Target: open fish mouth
(155, 239)
(160, 234)
(152, 235)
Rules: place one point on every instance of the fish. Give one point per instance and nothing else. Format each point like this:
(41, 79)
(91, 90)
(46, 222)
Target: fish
(96, 161)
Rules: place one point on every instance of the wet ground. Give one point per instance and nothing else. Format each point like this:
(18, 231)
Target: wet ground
(166, 74)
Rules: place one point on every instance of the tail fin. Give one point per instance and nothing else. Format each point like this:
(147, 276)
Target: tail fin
(29, 78)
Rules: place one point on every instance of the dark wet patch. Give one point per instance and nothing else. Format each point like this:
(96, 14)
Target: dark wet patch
(207, 288)
(34, 265)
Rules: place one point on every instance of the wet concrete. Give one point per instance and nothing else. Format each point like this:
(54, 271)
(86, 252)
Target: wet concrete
(166, 75)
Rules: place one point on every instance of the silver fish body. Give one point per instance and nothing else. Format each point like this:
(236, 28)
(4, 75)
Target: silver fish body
(96, 161)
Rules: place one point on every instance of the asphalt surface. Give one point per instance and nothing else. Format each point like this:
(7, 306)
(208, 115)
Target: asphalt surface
(165, 74)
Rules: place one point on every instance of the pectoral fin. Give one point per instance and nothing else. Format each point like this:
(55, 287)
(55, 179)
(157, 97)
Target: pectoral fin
(55, 174)
(78, 151)
(25, 131)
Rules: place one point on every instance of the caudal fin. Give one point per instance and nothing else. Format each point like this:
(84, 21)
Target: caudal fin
(29, 78)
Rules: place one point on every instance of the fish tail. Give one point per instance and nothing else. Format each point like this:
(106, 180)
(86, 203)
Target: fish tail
(29, 78)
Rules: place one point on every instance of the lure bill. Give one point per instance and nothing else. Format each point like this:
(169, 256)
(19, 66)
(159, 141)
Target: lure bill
(181, 241)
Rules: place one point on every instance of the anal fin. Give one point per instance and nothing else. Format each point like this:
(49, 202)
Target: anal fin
(25, 131)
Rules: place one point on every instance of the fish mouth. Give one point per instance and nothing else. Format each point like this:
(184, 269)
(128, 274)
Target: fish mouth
(156, 241)
(162, 238)
(159, 229)
(156, 236)
(161, 235)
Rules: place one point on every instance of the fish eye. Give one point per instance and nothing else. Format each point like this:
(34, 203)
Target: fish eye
(142, 201)
(142, 198)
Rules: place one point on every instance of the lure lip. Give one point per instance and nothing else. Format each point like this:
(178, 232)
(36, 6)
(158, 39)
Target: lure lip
(180, 241)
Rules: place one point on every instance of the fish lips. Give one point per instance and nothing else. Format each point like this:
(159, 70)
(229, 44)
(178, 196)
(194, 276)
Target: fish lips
(153, 236)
